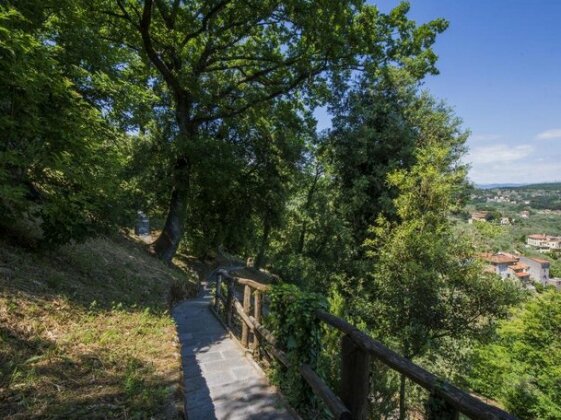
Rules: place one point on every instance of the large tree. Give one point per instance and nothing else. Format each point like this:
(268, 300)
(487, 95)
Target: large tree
(426, 285)
(221, 58)
(370, 138)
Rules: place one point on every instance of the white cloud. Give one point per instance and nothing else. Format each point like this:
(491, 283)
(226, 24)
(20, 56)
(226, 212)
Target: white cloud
(522, 164)
(554, 133)
(525, 172)
(499, 153)
(485, 137)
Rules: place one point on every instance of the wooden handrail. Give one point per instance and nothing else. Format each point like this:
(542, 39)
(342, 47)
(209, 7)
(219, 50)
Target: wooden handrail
(263, 332)
(253, 284)
(461, 400)
(320, 388)
(357, 346)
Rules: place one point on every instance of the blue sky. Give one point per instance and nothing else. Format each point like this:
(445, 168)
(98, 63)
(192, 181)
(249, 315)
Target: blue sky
(500, 69)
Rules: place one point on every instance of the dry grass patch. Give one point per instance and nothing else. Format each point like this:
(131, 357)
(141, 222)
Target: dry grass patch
(85, 332)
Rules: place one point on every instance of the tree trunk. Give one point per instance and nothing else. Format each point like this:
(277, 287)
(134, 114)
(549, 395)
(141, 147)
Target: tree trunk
(168, 241)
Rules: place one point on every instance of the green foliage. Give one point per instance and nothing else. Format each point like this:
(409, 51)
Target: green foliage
(223, 69)
(293, 322)
(244, 177)
(426, 284)
(371, 137)
(58, 156)
(330, 361)
(521, 367)
(555, 268)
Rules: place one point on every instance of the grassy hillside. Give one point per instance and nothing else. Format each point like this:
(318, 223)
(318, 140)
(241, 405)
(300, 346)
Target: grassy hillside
(85, 331)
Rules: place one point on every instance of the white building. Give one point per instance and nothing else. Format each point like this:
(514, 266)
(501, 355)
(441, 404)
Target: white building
(543, 241)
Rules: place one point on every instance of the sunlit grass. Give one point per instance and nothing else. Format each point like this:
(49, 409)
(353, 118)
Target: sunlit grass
(85, 332)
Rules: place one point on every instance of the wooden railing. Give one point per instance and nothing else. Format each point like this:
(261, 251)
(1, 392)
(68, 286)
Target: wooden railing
(357, 350)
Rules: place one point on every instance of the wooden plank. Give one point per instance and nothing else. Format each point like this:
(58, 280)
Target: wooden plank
(280, 355)
(217, 293)
(246, 308)
(464, 402)
(245, 318)
(335, 405)
(355, 378)
(253, 284)
(264, 332)
(229, 301)
(257, 317)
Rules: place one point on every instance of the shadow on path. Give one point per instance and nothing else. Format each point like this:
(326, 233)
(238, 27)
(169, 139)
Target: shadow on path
(219, 381)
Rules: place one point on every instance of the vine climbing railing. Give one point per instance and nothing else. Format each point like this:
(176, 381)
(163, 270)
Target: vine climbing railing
(243, 319)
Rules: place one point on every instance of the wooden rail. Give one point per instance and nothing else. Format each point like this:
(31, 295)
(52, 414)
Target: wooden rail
(357, 349)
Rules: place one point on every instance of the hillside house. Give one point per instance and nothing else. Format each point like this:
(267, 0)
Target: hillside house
(537, 268)
(479, 216)
(500, 263)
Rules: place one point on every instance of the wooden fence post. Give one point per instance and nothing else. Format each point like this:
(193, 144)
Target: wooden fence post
(257, 315)
(355, 378)
(217, 293)
(246, 308)
(229, 302)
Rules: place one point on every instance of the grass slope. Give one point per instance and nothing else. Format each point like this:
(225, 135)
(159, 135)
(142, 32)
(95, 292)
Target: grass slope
(85, 331)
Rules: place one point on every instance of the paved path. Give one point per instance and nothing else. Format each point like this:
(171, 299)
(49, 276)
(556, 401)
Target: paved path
(219, 381)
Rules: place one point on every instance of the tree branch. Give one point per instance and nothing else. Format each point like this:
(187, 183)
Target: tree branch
(229, 113)
(154, 57)
(126, 14)
(168, 16)
(205, 21)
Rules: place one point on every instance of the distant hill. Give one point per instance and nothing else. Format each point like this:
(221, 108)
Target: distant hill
(491, 186)
(542, 186)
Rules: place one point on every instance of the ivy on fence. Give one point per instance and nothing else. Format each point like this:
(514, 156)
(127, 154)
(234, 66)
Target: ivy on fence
(298, 331)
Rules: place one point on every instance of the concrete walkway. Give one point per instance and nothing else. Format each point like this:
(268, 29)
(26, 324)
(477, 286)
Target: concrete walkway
(219, 381)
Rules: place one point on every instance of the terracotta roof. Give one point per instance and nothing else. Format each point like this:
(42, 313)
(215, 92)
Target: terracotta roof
(498, 258)
(544, 237)
(540, 260)
(522, 275)
(518, 266)
(506, 254)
